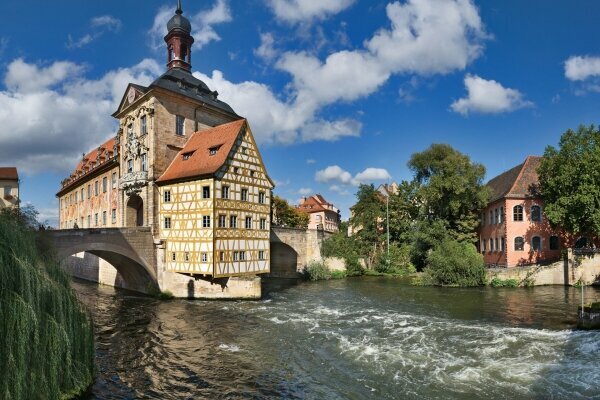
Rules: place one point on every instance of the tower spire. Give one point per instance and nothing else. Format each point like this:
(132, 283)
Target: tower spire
(179, 11)
(179, 41)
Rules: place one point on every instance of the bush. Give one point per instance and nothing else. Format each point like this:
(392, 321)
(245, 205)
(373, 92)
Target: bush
(498, 283)
(398, 262)
(453, 263)
(46, 335)
(353, 265)
(317, 271)
(337, 274)
(341, 246)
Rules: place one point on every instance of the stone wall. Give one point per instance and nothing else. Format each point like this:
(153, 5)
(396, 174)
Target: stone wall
(566, 272)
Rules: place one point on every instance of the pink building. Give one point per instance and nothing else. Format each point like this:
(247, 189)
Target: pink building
(514, 230)
(323, 215)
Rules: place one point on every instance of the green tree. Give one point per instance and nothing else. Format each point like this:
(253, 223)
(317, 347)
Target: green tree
(368, 223)
(453, 263)
(286, 215)
(404, 210)
(451, 189)
(570, 181)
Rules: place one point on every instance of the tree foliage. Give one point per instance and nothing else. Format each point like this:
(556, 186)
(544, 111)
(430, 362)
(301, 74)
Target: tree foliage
(286, 215)
(570, 181)
(451, 189)
(367, 222)
(453, 263)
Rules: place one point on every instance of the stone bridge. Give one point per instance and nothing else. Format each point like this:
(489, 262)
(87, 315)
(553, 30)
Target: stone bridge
(132, 259)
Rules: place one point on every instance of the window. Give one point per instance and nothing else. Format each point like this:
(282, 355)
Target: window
(129, 166)
(206, 192)
(96, 188)
(206, 221)
(554, 243)
(144, 162)
(261, 197)
(104, 218)
(518, 213)
(261, 254)
(501, 216)
(173, 256)
(114, 182)
(222, 221)
(89, 191)
(236, 255)
(213, 150)
(491, 218)
(242, 255)
(244, 195)
(114, 215)
(248, 222)
(233, 221)
(263, 223)
(204, 257)
(519, 243)
(167, 196)
(179, 122)
(187, 256)
(496, 244)
(186, 156)
(502, 243)
(167, 224)
(225, 192)
(96, 219)
(496, 220)
(143, 127)
(104, 184)
(82, 194)
(491, 244)
(536, 213)
(536, 243)
(89, 221)
(76, 194)
(221, 256)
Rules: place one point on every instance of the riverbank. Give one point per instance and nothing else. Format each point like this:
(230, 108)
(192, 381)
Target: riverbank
(46, 335)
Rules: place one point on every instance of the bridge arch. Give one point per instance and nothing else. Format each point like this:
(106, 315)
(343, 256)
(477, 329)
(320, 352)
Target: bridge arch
(129, 251)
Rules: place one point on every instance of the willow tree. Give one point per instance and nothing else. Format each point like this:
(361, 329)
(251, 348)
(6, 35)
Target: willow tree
(570, 181)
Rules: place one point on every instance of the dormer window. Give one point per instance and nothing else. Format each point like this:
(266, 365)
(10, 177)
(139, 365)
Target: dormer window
(213, 150)
(186, 156)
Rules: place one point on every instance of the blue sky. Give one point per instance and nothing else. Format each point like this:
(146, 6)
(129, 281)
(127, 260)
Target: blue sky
(338, 92)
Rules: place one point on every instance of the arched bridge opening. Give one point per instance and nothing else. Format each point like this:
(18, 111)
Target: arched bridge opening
(129, 251)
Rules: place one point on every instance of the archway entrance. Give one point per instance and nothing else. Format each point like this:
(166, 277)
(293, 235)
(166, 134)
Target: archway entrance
(134, 215)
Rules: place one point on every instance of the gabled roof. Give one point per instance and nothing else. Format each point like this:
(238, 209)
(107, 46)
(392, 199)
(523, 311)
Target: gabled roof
(194, 160)
(316, 203)
(518, 182)
(9, 173)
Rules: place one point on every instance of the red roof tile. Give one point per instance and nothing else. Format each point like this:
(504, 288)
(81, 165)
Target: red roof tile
(518, 182)
(9, 173)
(315, 203)
(194, 159)
(100, 154)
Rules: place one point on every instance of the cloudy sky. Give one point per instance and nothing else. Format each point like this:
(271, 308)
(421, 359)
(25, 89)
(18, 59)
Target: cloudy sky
(338, 92)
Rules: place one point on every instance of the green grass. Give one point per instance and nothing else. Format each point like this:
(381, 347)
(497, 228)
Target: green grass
(499, 283)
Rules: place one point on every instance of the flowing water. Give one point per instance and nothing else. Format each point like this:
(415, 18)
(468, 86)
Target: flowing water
(364, 338)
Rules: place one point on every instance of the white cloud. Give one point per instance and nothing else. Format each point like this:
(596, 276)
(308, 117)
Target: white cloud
(488, 97)
(305, 191)
(334, 173)
(51, 114)
(202, 24)
(266, 50)
(372, 175)
(339, 190)
(338, 176)
(99, 25)
(579, 68)
(294, 11)
(330, 130)
(311, 161)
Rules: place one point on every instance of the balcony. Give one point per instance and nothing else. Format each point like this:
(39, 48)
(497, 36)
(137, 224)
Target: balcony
(133, 182)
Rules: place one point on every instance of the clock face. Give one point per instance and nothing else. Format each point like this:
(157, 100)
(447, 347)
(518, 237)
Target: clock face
(131, 95)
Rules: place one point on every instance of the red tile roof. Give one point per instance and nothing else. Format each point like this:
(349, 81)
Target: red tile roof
(91, 161)
(518, 182)
(315, 203)
(198, 161)
(9, 173)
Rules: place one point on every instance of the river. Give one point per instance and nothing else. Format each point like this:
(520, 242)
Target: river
(361, 338)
